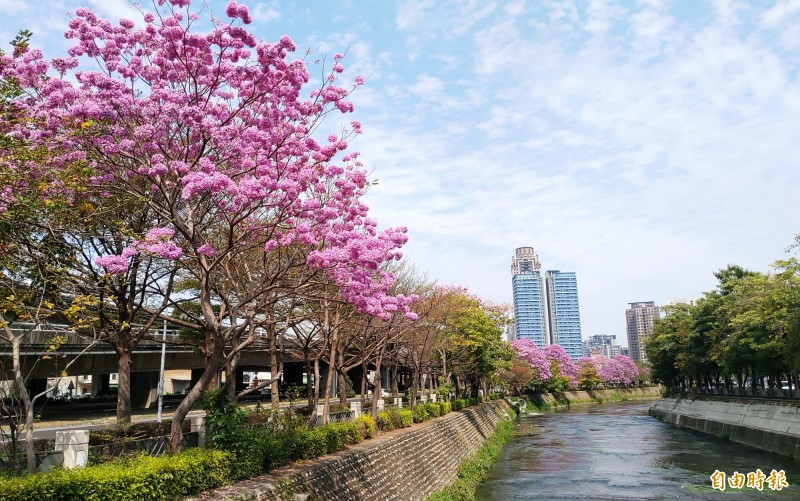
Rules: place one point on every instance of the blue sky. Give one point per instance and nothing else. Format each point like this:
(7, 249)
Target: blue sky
(641, 144)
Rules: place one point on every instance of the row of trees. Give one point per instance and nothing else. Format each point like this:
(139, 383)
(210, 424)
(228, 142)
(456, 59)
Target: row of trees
(157, 173)
(551, 369)
(746, 332)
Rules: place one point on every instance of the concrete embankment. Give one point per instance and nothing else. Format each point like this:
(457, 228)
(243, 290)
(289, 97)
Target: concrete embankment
(770, 425)
(407, 464)
(568, 398)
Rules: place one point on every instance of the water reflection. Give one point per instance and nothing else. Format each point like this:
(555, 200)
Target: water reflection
(617, 451)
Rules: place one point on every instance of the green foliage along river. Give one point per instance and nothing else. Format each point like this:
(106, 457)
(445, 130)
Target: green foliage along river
(617, 451)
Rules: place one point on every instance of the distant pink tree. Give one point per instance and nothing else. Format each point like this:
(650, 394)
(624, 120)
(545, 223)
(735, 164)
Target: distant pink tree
(619, 370)
(528, 351)
(563, 362)
(210, 132)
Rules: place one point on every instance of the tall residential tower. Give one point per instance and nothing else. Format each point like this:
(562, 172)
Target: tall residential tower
(528, 289)
(563, 311)
(639, 318)
(534, 304)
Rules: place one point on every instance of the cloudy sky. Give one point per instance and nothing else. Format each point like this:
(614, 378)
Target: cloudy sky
(641, 144)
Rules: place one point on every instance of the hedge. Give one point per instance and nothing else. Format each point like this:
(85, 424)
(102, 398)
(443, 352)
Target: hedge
(141, 478)
(249, 453)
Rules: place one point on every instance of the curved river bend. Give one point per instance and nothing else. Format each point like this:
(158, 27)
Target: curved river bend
(617, 451)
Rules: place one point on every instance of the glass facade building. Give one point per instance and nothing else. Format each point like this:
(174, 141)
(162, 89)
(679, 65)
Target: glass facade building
(529, 309)
(563, 311)
(546, 308)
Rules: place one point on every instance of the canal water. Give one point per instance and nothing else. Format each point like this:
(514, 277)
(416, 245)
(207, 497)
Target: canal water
(617, 451)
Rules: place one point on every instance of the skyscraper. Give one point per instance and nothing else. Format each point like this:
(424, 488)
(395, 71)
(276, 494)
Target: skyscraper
(640, 317)
(528, 290)
(533, 304)
(563, 311)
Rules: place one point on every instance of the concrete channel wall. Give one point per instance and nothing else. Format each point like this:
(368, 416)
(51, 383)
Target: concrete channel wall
(567, 398)
(407, 464)
(770, 425)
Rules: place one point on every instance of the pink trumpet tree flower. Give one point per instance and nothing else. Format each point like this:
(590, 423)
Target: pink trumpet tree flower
(208, 129)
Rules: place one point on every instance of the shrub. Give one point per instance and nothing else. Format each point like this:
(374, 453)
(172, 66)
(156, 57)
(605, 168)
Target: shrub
(335, 436)
(353, 433)
(142, 477)
(420, 413)
(385, 421)
(277, 449)
(312, 443)
(405, 417)
(366, 426)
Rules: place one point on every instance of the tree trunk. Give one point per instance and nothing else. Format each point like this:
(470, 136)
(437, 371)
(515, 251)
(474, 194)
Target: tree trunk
(275, 396)
(312, 417)
(124, 385)
(342, 388)
(363, 386)
(231, 366)
(213, 363)
(377, 391)
(414, 381)
(393, 376)
(310, 382)
(30, 447)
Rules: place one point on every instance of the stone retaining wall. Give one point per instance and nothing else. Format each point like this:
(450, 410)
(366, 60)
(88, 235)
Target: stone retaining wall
(772, 426)
(566, 398)
(407, 464)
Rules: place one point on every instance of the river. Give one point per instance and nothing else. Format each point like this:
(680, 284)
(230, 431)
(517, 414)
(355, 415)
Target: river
(617, 451)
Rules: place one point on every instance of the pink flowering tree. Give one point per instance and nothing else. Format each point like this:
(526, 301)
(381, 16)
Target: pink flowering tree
(210, 132)
(529, 352)
(561, 363)
(618, 370)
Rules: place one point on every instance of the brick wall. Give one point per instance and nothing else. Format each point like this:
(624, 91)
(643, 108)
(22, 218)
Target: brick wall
(407, 464)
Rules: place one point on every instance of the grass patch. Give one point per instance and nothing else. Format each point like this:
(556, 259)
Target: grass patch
(474, 470)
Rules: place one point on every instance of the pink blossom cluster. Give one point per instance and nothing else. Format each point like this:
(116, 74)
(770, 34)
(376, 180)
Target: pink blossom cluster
(618, 370)
(158, 242)
(209, 129)
(528, 351)
(566, 366)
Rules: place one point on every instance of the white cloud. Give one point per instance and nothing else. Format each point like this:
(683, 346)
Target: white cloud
(637, 147)
(263, 13)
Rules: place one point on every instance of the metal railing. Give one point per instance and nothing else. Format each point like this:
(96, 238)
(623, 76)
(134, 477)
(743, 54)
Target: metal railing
(338, 417)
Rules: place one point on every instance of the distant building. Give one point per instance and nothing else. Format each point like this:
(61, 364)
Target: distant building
(601, 345)
(639, 318)
(546, 307)
(511, 332)
(623, 350)
(563, 311)
(687, 301)
(529, 298)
